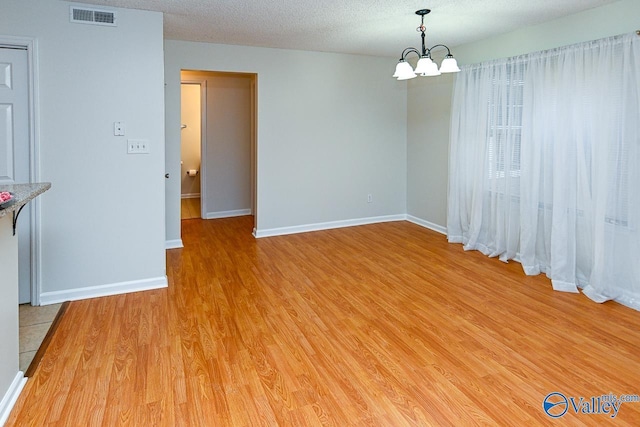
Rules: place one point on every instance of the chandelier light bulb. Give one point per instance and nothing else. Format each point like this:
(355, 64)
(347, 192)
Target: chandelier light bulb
(423, 66)
(449, 65)
(404, 71)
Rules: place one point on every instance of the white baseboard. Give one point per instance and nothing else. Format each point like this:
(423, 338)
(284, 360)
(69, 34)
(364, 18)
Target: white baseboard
(103, 290)
(426, 224)
(190, 196)
(173, 244)
(11, 396)
(325, 225)
(228, 214)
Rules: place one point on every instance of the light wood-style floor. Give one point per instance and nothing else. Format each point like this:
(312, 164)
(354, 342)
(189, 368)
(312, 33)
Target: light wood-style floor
(384, 324)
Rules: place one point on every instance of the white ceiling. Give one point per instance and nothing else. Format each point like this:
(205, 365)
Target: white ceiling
(369, 27)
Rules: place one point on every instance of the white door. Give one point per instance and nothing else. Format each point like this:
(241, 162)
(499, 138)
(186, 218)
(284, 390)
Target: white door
(14, 148)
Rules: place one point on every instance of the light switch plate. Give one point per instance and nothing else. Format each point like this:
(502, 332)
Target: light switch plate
(137, 146)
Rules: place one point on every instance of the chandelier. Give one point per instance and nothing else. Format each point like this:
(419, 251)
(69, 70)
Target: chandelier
(425, 66)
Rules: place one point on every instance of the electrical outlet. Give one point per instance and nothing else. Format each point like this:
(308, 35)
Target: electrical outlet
(369, 198)
(138, 146)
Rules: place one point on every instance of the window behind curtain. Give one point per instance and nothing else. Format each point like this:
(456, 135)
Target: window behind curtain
(544, 158)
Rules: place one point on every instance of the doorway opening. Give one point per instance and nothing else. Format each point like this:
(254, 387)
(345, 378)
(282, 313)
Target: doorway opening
(193, 111)
(218, 144)
(18, 140)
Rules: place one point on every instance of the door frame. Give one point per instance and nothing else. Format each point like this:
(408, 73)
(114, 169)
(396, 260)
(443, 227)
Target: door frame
(253, 134)
(254, 150)
(203, 139)
(31, 45)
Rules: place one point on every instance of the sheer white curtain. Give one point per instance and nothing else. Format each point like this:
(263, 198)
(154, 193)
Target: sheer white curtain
(545, 150)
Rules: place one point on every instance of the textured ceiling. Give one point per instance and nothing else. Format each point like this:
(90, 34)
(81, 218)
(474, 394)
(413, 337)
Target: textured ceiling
(368, 27)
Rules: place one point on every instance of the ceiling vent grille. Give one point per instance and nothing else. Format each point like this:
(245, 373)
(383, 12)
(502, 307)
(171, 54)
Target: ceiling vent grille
(92, 16)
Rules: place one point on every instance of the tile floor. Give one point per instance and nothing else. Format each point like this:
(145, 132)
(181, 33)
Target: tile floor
(190, 208)
(34, 324)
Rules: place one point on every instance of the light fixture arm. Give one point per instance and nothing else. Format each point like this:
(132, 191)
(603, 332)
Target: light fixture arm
(407, 51)
(439, 45)
(426, 53)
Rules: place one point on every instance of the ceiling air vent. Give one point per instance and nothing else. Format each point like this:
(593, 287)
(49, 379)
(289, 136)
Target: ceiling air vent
(92, 16)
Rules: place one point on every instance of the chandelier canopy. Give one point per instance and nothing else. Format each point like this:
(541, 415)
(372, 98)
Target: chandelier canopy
(425, 66)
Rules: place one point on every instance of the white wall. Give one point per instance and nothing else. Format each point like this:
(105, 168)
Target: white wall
(8, 312)
(102, 220)
(228, 151)
(616, 18)
(228, 144)
(428, 147)
(331, 129)
(428, 124)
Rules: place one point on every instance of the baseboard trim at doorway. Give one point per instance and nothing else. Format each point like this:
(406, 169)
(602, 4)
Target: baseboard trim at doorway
(190, 196)
(173, 244)
(103, 290)
(228, 214)
(46, 341)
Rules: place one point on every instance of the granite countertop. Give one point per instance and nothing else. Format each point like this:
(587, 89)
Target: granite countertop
(22, 194)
